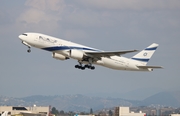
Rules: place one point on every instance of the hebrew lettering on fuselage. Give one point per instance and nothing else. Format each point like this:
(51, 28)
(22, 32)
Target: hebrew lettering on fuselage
(47, 39)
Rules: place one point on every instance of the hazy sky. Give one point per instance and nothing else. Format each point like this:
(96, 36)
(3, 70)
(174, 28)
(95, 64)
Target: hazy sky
(103, 24)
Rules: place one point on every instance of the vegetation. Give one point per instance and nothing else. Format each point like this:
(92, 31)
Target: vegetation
(70, 113)
(54, 111)
(165, 111)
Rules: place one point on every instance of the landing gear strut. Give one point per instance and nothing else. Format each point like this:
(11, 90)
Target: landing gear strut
(29, 47)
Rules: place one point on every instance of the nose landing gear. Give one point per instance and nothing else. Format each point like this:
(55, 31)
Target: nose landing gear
(26, 44)
(29, 50)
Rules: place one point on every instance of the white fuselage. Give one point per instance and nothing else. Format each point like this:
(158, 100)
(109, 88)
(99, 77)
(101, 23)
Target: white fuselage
(62, 47)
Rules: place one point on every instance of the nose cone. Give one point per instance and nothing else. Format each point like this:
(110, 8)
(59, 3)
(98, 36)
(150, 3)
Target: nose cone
(20, 37)
(23, 36)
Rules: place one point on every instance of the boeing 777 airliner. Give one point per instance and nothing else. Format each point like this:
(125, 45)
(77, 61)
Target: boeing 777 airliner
(87, 56)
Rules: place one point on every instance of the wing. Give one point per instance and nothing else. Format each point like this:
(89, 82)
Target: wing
(108, 54)
(150, 67)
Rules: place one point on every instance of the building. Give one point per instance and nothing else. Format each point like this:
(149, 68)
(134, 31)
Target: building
(25, 111)
(124, 111)
(84, 115)
(174, 115)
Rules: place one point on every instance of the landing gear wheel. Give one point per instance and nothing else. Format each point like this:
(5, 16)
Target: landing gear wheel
(86, 66)
(29, 51)
(92, 68)
(82, 68)
(76, 66)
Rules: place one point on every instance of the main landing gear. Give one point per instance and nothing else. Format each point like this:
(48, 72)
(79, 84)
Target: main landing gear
(80, 66)
(84, 67)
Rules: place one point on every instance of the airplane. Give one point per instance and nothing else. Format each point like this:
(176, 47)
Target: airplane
(5, 113)
(87, 56)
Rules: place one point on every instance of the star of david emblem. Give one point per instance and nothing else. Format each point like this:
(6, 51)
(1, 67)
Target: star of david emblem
(145, 54)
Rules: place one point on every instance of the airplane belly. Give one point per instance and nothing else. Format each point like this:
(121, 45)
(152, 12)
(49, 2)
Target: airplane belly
(113, 64)
(131, 67)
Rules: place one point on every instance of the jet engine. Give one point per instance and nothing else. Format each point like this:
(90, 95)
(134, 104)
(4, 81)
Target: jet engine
(59, 56)
(76, 54)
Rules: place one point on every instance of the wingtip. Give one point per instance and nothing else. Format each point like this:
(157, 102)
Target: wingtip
(136, 50)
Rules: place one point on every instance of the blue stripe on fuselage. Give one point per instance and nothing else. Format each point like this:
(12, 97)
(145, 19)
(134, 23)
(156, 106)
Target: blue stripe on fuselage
(56, 48)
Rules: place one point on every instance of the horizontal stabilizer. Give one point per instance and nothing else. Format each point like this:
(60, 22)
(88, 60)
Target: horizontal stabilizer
(149, 67)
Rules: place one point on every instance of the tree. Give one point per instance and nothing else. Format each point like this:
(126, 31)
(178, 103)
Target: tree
(61, 112)
(82, 113)
(71, 113)
(54, 111)
(91, 111)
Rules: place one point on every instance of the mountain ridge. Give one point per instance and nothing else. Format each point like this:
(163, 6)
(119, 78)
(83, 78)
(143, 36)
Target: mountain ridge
(80, 102)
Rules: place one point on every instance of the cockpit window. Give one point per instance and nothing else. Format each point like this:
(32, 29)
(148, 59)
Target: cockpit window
(24, 34)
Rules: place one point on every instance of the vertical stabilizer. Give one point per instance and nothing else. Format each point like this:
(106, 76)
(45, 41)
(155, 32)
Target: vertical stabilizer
(145, 55)
(5, 113)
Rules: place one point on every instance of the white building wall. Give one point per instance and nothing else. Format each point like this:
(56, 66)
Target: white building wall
(124, 111)
(43, 110)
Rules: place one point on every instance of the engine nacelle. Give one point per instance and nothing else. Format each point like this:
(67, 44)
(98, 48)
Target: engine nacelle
(76, 54)
(59, 56)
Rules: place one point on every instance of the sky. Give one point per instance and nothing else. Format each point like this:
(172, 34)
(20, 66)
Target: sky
(109, 25)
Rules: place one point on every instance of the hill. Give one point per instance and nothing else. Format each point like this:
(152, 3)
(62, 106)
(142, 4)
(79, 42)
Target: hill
(164, 99)
(84, 103)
